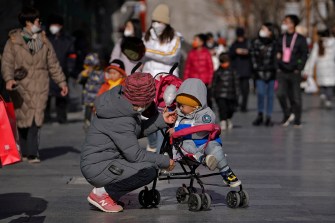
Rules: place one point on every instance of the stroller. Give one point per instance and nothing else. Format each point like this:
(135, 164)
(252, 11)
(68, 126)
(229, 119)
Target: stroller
(187, 194)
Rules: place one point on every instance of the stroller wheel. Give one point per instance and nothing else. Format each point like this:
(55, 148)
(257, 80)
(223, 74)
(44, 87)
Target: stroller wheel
(182, 195)
(143, 198)
(194, 203)
(192, 190)
(206, 201)
(244, 198)
(233, 199)
(156, 199)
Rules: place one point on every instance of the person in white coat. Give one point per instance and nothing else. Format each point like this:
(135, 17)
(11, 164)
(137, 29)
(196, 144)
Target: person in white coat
(163, 50)
(323, 57)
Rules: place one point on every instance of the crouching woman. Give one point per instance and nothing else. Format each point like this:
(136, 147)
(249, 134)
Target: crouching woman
(111, 158)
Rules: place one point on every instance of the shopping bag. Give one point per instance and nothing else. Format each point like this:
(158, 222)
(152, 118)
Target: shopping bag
(311, 86)
(9, 152)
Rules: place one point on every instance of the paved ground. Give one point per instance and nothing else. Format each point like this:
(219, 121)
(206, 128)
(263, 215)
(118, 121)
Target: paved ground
(289, 174)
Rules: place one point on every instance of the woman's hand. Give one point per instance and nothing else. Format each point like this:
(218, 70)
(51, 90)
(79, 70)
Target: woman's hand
(64, 91)
(10, 85)
(171, 166)
(170, 131)
(169, 117)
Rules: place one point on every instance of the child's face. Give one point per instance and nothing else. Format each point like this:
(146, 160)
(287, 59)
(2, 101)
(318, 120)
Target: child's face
(186, 109)
(113, 75)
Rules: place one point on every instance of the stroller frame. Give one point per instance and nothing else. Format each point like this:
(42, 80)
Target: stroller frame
(188, 194)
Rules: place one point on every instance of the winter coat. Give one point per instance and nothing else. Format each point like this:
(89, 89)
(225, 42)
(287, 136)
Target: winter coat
(64, 48)
(161, 57)
(298, 56)
(31, 96)
(241, 63)
(199, 64)
(325, 65)
(202, 115)
(112, 141)
(94, 82)
(225, 84)
(263, 56)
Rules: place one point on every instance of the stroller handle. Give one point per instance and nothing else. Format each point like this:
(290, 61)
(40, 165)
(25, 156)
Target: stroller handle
(136, 67)
(175, 65)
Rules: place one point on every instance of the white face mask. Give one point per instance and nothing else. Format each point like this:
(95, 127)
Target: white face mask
(35, 29)
(263, 34)
(284, 27)
(128, 32)
(54, 29)
(158, 28)
(142, 109)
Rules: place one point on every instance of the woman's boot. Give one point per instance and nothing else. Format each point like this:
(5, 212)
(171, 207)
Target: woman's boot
(259, 120)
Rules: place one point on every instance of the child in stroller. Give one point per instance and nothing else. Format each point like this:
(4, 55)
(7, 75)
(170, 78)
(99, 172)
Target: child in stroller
(194, 141)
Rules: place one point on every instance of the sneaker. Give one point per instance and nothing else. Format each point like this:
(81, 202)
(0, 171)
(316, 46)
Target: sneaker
(151, 149)
(34, 159)
(223, 125)
(289, 120)
(230, 179)
(211, 162)
(230, 124)
(328, 105)
(104, 203)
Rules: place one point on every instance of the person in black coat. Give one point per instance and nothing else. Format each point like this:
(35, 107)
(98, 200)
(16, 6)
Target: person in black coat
(64, 48)
(292, 56)
(225, 89)
(239, 53)
(263, 56)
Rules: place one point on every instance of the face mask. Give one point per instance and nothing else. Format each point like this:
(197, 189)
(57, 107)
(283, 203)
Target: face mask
(210, 45)
(128, 32)
(284, 28)
(158, 28)
(195, 44)
(54, 29)
(225, 65)
(141, 109)
(35, 29)
(263, 34)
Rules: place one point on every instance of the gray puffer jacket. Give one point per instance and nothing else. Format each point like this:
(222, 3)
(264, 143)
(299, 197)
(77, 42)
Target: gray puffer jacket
(111, 144)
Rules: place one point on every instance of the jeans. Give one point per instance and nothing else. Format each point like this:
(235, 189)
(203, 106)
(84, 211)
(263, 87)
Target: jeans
(289, 88)
(29, 140)
(213, 148)
(155, 140)
(141, 178)
(265, 90)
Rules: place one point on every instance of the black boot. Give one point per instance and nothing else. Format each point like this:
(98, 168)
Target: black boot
(268, 121)
(259, 120)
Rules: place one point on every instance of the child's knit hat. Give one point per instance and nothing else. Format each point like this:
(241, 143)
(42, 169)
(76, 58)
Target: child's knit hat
(92, 59)
(139, 89)
(117, 65)
(189, 100)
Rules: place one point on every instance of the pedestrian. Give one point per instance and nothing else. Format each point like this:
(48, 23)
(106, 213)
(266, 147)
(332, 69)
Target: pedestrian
(192, 110)
(111, 158)
(64, 48)
(163, 50)
(323, 57)
(130, 48)
(263, 55)
(225, 91)
(292, 55)
(92, 78)
(199, 64)
(29, 49)
(114, 76)
(239, 53)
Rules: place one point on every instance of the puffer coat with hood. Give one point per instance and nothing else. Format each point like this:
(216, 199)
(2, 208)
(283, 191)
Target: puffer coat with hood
(112, 140)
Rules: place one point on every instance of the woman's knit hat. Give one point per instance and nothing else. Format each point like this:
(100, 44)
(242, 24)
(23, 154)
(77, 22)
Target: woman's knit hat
(161, 14)
(189, 100)
(139, 89)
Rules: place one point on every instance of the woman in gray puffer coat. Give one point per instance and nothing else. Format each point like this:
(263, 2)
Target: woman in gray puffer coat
(111, 157)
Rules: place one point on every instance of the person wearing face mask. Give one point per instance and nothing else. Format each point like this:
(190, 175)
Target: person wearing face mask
(163, 50)
(111, 157)
(130, 48)
(263, 56)
(65, 52)
(199, 64)
(29, 48)
(292, 51)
